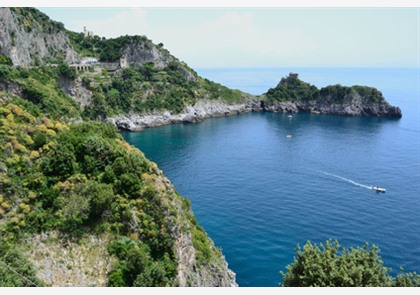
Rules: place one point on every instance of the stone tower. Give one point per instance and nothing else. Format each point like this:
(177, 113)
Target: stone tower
(123, 62)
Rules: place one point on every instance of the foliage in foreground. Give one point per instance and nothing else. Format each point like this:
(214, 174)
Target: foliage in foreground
(332, 266)
(12, 256)
(77, 179)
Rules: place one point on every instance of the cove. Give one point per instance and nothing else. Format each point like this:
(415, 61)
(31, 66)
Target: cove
(258, 193)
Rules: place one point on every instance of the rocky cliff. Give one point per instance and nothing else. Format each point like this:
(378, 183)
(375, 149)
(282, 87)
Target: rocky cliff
(355, 108)
(29, 38)
(60, 260)
(192, 114)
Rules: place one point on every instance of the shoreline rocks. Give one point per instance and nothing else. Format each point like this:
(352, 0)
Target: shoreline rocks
(204, 109)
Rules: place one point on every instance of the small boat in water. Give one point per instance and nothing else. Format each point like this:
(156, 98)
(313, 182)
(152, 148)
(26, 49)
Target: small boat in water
(378, 189)
(289, 116)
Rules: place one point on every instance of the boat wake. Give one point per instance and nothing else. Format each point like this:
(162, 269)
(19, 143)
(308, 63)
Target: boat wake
(350, 181)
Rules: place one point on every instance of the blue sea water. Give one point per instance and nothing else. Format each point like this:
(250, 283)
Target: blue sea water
(258, 193)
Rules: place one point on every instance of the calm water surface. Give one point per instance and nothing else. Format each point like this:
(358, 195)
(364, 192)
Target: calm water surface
(259, 193)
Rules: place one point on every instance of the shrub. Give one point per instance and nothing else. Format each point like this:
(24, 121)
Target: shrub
(5, 60)
(66, 71)
(332, 266)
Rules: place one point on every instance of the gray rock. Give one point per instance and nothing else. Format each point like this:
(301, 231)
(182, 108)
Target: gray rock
(25, 46)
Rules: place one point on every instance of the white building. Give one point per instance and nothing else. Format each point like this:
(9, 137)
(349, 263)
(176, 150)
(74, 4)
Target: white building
(89, 61)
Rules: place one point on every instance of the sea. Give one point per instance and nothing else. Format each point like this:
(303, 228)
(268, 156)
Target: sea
(262, 183)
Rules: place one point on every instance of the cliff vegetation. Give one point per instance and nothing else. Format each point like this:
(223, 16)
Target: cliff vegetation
(83, 179)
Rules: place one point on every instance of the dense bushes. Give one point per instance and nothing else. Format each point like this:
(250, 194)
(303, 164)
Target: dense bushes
(15, 270)
(83, 178)
(343, 94)
(107, 50)
(29, 16)
(292, 89)
(334, 267)
(40, 87)
(150, 89)
(4, 60)
(66, 71)
(135, 268)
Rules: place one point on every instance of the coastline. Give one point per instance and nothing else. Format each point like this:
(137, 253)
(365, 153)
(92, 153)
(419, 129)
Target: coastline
(204, 109)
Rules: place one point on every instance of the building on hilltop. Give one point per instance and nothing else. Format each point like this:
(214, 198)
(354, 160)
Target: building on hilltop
(87, 33)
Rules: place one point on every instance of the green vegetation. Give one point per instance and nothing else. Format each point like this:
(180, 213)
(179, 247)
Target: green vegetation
(5, 60)
(107, 50)
(23, 273)
(144, 88)
(33, 19)
(67, 72)
(78, 178)
(135, 268)
(84, 178)
(148, 88)
(293, 89)
(330, 266)
(40, 87)
(342, 94)
(202, 245)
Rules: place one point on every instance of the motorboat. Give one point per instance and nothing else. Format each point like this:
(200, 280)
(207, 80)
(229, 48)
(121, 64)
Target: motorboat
(378, 189)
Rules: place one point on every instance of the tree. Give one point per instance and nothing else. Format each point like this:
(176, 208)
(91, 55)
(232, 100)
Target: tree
(411, 279)
(61, 161)
(323, 266)
(15, 269)
(66, 71)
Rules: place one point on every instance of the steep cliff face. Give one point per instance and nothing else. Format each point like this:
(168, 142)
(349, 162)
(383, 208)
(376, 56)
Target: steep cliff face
(29, 38)
(212, 270)
(139, 52)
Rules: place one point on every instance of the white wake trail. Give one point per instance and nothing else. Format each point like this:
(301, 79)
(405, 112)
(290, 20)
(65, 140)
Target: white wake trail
(348, 180)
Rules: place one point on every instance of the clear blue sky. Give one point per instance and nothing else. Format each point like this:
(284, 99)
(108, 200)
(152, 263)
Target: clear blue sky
(264, 37)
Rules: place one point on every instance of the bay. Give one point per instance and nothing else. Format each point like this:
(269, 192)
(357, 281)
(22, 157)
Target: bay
(259, 192)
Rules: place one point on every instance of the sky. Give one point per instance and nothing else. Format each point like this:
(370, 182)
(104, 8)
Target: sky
(263, 37)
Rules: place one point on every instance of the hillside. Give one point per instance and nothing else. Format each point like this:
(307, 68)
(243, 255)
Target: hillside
(111, 78)
(78, 205)
(67, 188)
(134, 83)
